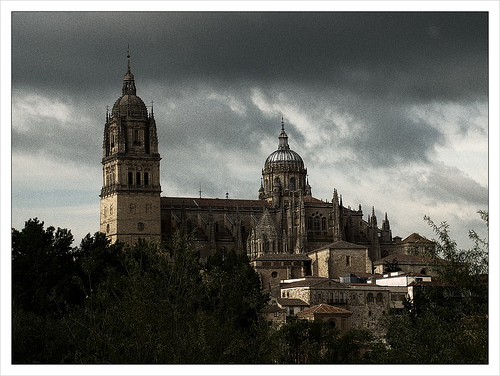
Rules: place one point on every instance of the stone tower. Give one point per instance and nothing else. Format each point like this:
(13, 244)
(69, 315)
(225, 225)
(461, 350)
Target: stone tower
(284, 173)
(130, 195)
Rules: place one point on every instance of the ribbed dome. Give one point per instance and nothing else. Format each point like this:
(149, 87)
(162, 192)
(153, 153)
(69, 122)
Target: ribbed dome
(130, 104)
(284, 156)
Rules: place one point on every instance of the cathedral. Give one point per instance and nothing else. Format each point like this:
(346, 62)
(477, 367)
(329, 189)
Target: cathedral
(285, 224)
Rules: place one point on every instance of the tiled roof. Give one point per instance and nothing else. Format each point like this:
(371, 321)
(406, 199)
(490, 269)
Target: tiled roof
(195, 202)
(313, 200)
(283, 256)
(271, 308)
(341, 244)
(322, 308)
(416, 238)
(291, 302)
(434, 282)
(402, 258)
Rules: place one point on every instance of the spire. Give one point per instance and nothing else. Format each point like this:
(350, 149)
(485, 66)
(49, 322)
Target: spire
(128, 80)
(283, 137)
(128, 57)
(385, 224)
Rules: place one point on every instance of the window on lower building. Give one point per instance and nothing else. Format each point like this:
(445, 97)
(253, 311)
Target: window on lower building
(348, 261)
(380, 298)
(369, 298)
(316, 223)
(138, 178)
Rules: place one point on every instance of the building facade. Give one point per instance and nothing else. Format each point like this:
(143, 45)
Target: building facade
(130, 194)
(284, 219)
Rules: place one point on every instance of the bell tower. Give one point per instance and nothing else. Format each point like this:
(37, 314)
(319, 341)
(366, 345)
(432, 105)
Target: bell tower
(130, 194)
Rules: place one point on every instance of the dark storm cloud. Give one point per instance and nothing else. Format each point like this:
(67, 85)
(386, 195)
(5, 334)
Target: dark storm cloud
(372, 66)
(366, 97)
(380, 53)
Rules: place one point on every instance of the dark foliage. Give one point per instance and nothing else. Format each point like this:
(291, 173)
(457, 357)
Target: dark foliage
(447, 322)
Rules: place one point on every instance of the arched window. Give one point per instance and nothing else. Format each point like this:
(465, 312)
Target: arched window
(130, 178)
(146, 178)
(138, 178)
(316, 223)
(310, 224)
(380, 298)
(369, 298)
(292, 184)
(277, 182)
(323, 224)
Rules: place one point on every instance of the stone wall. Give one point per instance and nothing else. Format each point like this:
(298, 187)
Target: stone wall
(368, 304)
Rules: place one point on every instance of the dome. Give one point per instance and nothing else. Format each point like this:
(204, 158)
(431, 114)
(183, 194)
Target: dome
(284, 156)
(130, 104)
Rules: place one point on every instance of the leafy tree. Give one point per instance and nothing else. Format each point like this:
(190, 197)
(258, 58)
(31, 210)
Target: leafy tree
(314, 342)
(158, 304)
(391, 266)
(446, 322)
(43, 267)
(43, 272)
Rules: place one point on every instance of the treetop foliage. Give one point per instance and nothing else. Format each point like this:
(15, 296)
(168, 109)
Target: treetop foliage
(154, 302)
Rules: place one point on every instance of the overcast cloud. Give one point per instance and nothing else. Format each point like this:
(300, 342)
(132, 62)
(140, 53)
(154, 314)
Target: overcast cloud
(389, 108)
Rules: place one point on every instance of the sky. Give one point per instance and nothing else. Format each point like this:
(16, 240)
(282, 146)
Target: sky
(395, 106)
(389, 108)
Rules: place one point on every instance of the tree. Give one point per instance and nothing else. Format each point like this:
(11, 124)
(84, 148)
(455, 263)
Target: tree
(155, 303)
(437, 326)
(391, 266)
(43, 290)
(43, 267)
(314, 342)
